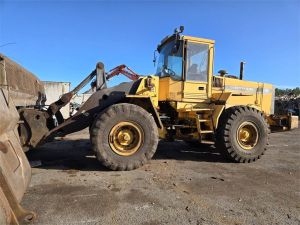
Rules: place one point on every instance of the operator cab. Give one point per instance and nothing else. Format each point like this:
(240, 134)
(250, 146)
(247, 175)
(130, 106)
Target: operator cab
(188, 61)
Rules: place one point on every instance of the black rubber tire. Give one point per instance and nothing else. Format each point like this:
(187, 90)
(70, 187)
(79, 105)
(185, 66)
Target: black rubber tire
(226, 135)
(105, 122)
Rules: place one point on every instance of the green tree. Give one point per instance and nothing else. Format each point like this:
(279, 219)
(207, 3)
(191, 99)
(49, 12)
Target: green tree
(280, 92)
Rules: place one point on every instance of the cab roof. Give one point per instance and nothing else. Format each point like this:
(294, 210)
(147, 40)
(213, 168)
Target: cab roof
(184, 37)
(190, 38)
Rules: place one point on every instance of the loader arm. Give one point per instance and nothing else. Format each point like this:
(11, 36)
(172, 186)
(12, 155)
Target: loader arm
(99, 83)
(94, 105)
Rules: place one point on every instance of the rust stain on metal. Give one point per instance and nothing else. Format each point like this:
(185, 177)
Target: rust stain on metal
(25, 87)
(15, 171)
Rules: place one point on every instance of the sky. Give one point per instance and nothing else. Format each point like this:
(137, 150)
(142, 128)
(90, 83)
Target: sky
(63, 40)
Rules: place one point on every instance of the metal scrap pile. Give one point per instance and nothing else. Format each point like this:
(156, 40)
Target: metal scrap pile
(287, 104)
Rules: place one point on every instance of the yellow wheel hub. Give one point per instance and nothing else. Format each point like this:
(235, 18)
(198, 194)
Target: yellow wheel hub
(247, 135)
(126, 138)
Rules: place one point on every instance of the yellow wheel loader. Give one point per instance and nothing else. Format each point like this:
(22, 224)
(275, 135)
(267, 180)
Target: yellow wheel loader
(183, 100)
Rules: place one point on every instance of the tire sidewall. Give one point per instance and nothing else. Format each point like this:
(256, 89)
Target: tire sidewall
(140, 117)
(259, 122)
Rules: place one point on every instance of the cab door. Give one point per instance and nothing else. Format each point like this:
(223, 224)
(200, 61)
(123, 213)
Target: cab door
(198, 70)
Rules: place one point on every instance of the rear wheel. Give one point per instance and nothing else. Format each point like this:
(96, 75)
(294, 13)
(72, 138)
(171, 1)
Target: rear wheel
(124, 137)
(243, 134)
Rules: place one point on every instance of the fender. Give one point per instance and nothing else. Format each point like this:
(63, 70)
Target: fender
(146, 103)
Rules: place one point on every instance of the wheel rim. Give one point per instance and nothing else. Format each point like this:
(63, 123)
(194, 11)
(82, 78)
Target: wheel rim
(247, 135)
(126, 138)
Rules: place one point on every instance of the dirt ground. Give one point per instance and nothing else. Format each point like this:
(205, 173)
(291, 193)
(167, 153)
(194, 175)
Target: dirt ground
(181, 185)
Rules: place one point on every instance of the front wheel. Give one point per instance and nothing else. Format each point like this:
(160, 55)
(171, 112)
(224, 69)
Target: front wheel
(124, 137)
(243, 134)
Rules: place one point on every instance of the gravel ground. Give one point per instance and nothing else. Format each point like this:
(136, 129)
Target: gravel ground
(181, 185)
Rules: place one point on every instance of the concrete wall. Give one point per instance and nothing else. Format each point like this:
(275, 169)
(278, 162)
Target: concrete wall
(54, 90)
(81, 98)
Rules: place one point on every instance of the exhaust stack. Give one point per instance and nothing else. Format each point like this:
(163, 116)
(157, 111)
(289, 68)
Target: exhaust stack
(242, 70)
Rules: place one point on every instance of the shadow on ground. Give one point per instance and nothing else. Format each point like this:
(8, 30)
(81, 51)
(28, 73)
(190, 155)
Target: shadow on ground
(77, 154)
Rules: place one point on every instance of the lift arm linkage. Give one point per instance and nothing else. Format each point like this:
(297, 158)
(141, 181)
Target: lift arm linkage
(122, 69)
(100, 77)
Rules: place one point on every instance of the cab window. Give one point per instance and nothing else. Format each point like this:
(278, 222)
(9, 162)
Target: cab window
(197, 62)
(170, 61)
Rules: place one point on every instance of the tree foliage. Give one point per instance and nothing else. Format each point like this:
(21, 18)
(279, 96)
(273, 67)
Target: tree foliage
(287, 91)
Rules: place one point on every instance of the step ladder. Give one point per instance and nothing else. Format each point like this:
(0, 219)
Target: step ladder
(204, 119)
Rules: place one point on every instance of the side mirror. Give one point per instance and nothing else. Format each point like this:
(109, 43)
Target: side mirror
(181, 28)
(179, 31)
